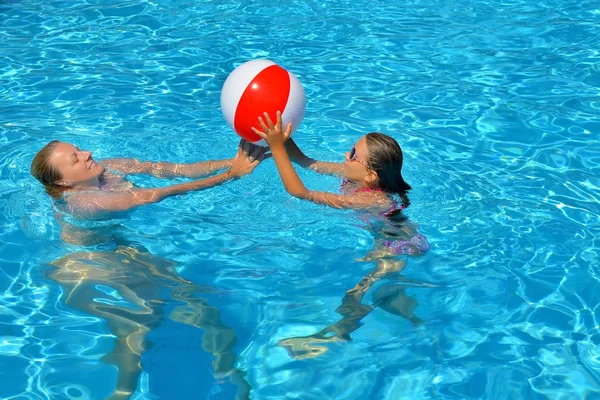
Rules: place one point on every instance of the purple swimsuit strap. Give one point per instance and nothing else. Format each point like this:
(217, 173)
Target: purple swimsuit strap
(417, 244)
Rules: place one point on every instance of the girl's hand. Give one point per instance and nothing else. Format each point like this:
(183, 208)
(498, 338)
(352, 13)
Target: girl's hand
(247, 158)
(273, 133)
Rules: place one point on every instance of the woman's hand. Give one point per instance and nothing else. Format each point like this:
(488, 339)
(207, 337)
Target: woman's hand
(273, 133)
(247, 158)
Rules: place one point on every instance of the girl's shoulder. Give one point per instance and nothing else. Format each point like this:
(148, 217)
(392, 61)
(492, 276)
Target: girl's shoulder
(385, 203)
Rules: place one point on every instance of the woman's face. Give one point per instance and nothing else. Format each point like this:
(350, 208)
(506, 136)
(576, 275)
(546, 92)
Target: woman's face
(355, 166)
(75, 166)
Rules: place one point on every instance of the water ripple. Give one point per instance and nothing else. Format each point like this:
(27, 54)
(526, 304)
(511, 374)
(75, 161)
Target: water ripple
(495, 105)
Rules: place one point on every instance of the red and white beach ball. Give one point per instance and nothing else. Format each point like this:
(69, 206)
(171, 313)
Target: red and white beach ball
(260, 86)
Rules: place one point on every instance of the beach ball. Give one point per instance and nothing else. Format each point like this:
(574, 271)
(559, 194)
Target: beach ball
(260, 86)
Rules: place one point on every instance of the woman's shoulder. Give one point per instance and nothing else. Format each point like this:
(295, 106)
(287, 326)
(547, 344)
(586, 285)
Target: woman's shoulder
(81, 204)
(90, 204)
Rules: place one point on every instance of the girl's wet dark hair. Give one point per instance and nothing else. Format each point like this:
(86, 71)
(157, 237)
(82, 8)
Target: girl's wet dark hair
(43, 171)
(385, 158)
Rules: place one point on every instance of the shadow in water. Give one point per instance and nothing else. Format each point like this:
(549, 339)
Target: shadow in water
(126, 288)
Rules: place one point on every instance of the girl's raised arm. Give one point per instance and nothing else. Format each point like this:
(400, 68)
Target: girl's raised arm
(276, 138)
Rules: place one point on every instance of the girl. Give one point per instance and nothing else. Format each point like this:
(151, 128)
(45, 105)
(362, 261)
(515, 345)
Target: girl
(373, 181)
(372, 171)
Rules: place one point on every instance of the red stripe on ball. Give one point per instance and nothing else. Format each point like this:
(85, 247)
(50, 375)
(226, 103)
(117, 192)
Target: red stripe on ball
(268, 92)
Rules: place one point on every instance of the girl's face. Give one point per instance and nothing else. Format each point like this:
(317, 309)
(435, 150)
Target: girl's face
(356, 167)
(75, 166)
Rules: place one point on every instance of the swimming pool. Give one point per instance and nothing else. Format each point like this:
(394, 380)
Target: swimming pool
(496, 107)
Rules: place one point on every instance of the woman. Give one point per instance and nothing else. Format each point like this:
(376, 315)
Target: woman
(93, 189)
(90, 190)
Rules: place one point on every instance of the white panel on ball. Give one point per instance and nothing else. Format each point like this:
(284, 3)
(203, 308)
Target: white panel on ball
(236, 84)
(296, 105)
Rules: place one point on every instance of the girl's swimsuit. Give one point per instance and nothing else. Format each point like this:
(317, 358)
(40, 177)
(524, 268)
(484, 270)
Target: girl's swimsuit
(417, 244)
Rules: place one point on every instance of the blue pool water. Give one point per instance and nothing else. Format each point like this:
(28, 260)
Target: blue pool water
(496, 105)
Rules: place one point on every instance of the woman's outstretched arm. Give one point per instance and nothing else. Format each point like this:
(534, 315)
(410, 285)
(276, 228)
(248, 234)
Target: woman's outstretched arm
(163, 169)
(96, 204)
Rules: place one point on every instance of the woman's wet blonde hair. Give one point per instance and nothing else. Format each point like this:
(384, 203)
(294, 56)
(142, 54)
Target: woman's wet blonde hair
(44, 171)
